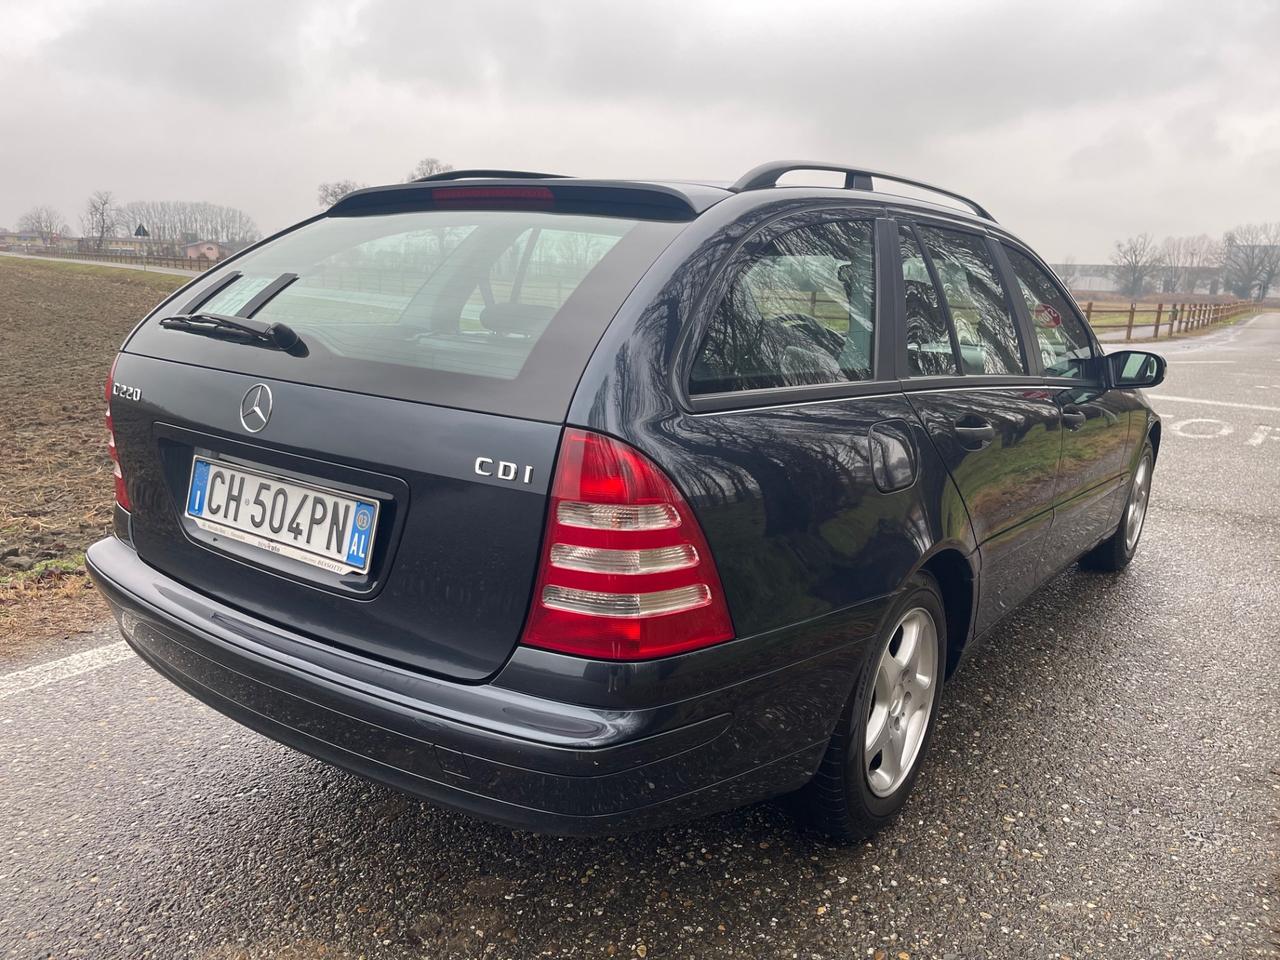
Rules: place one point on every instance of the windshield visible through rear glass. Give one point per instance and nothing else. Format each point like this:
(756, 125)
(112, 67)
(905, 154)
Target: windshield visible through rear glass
(433, 305)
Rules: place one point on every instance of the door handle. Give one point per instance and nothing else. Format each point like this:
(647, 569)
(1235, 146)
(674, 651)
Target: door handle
(974, 433)
(1073, 418)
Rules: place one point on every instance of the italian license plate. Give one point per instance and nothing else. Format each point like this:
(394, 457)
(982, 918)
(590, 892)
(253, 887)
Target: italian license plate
(300, 521)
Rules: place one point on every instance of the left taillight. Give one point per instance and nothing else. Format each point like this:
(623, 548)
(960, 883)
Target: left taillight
(122, 494)
(625, 572)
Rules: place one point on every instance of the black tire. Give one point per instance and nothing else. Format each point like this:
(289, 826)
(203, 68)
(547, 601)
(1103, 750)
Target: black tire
(1114, 553)
(839, 801)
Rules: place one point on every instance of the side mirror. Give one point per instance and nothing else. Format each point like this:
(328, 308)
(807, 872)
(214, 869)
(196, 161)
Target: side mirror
(1131, 369)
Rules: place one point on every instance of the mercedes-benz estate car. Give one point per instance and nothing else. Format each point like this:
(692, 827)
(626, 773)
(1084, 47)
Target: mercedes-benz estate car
(589, 505)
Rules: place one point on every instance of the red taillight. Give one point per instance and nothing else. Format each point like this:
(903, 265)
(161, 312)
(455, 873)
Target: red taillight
(122, 495)
(625, 572)
(491, 194)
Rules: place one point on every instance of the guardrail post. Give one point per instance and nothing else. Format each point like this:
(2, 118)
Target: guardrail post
(1088, 312)
(1159, 314)
(1175, 316)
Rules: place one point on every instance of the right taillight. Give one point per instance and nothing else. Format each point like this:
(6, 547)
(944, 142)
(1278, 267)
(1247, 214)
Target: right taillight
(625, 572)
(122, 495)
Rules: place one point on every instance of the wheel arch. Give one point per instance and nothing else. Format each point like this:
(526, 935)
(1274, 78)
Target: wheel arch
(1153, 434)
(957, 580)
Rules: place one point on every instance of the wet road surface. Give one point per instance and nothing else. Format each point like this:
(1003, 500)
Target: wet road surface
(1105, 782)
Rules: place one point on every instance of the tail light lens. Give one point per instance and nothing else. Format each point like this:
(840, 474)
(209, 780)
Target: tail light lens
(625, 572)
(122, 495)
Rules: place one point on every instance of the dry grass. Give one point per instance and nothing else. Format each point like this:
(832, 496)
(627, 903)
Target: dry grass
(60, 325)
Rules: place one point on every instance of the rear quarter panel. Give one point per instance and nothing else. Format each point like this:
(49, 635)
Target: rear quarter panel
(784, 493)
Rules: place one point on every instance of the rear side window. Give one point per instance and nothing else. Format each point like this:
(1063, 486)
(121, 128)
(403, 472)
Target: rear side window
(800, 312)
(1060, 335)
(930, 352)
(984, 324)
(492, 310)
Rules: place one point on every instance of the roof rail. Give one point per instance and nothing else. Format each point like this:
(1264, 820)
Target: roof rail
(855, 178)
(490, 175)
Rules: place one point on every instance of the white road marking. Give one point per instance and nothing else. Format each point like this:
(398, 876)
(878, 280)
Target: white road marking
(1262, 433)
(1214, 403)
(1220, 428)
(1202, 361)
(22, 681)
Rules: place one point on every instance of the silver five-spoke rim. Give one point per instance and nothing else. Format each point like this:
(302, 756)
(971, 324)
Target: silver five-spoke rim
(901, 701)
(1136, 512)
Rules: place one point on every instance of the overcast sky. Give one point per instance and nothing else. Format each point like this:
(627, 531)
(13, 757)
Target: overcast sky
(1074, 123)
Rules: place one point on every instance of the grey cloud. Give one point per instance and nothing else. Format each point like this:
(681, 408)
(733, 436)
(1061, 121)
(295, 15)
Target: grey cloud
(958, 70)
(1074, 122)
(236, 50)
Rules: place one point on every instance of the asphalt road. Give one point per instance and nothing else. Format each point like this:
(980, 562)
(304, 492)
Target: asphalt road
(1105, 782)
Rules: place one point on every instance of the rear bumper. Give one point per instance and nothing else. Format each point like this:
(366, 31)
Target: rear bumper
(616, 748)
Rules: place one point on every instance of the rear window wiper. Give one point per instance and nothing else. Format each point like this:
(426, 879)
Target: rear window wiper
(277, 336)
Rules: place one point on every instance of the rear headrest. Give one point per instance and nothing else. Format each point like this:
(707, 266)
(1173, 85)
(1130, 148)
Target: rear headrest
(525, 319)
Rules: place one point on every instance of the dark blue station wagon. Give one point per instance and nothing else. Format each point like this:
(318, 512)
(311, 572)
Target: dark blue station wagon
(589, 505)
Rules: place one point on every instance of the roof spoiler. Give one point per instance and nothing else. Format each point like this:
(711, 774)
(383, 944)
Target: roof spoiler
(489, 175)
(645, 201)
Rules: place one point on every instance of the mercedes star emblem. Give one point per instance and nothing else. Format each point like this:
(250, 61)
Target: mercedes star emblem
(255, 408)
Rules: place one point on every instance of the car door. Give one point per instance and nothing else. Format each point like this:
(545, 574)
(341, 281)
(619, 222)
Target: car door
(793, 398)
(966, 371)
(1089, 492)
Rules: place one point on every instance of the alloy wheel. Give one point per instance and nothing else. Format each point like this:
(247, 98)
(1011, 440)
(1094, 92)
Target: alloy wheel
(901, 701)
(1136, 511)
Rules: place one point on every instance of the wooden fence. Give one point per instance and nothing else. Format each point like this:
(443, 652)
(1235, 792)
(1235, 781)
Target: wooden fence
(1173, 317)
(172, 263)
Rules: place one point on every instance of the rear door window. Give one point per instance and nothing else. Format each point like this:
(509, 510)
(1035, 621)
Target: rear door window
(1064, 344)
(930, 351)
(980, 312)
(799, 312)
(492, 310)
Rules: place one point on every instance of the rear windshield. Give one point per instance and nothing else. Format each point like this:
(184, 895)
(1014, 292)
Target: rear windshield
(493, 310)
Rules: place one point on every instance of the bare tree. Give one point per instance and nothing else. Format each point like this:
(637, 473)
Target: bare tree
(45, 221)
(1134, 263)
(426, 167)
(101, 218)
(1250, 258)
(330, 192)
(175, 222)
(1201, 261)
(1069, 271)
(1173, 264)
(1270, 268)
